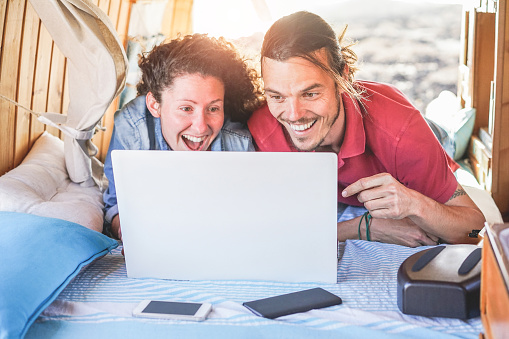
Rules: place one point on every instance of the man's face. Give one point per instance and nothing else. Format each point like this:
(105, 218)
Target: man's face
(191, 112)
(304, 99)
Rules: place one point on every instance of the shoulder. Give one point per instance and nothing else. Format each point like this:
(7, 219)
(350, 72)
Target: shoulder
(236, 137)
(267, 132)
(262, 121)
(387, 109)
(236, 128)
(130, 125)
(381, 96)
(133, 113)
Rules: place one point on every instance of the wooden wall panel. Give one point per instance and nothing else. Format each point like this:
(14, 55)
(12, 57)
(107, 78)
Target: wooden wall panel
(9, 64)
(3, 9)
(33, 73)
(119, 13)
(56, 85)
(500, 175)
(41, 81)
(481, 64)
(177, 18)
(28, 55)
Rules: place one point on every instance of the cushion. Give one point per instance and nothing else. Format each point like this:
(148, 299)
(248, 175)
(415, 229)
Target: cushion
(479, 196)
(463, 127)
(39, 257)
(40, 185)
(457, 122)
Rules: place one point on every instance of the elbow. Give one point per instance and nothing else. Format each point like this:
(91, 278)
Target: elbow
(466, 233)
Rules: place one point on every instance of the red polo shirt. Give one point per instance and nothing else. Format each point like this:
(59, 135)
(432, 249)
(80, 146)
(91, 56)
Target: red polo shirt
(392, 137)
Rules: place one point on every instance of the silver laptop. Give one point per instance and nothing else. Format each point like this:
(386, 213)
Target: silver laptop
(228, 215)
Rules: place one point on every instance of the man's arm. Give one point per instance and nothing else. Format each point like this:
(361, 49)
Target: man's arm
(401, 232)
(386, 199)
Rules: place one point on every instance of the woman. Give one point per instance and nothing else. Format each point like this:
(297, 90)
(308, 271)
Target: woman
(195, 94)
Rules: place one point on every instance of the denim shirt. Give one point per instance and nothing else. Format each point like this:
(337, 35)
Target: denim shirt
(131, 132)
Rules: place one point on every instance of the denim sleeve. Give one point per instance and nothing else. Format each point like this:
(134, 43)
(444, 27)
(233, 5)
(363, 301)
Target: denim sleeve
(127, 134)
(236, 137)
(110, 195)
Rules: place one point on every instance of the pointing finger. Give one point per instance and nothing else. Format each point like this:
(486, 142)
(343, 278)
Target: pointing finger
(364, 184)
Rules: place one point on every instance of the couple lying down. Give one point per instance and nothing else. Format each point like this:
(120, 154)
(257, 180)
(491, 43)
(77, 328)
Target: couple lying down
(197, 94)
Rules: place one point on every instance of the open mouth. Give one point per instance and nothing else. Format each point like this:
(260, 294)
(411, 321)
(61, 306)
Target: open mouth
(302, 127)
(193, 143)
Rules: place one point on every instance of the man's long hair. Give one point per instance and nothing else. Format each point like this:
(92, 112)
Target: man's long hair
(302, 34)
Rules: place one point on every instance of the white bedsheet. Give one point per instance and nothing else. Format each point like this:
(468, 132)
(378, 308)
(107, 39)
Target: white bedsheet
(99, 301)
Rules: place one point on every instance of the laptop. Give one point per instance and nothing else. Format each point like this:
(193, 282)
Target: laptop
(228, 215)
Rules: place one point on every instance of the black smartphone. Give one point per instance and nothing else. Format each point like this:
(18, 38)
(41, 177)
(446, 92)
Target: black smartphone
(290, 303)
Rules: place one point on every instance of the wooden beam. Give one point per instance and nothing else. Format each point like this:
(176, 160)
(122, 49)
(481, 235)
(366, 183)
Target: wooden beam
(9, 66)
(28, 54)
(500, 174)
(482, 65)
(41, 81)
(56, 85)
(177, 18)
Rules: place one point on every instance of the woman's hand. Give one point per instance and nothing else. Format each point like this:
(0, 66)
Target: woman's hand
(116, 230)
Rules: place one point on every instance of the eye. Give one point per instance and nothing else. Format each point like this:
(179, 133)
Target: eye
(215, 109)
(310, 95)
(186, 108)
(276, 98)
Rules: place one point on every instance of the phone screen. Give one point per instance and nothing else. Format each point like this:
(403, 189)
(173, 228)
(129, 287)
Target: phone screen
(168, 307)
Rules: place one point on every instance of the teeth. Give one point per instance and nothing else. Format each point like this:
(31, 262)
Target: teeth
(193, 139)
(302, 127)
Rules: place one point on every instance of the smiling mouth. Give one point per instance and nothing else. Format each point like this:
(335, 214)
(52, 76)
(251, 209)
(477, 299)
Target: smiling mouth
(193, 143)
(301, 127)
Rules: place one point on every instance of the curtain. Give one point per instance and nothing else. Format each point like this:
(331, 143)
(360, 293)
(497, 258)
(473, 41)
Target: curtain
(96, 66)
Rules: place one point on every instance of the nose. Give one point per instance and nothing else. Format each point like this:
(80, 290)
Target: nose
(294, 110)
(200, 124)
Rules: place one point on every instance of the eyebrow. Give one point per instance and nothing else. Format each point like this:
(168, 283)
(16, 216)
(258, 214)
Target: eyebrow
(194, 102)
(307, 89)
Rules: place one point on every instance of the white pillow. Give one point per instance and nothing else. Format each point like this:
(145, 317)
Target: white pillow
(40, 185)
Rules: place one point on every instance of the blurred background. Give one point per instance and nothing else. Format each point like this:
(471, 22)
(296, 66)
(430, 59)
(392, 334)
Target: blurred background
(414, 45)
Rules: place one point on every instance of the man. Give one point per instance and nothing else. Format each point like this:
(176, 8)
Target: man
(388, 158)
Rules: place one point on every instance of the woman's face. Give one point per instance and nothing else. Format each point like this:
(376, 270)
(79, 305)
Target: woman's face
(191, 112)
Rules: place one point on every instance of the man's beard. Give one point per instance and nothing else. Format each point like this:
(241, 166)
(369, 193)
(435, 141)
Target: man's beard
(317, 145)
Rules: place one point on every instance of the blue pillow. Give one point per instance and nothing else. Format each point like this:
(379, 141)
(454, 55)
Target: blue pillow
(454, 131)
(39, 256)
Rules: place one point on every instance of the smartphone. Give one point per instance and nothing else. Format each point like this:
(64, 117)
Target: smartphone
(296, 302)
(172, 310)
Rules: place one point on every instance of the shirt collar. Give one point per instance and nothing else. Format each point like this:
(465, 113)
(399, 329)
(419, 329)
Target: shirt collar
(161, 142)
(354, 142)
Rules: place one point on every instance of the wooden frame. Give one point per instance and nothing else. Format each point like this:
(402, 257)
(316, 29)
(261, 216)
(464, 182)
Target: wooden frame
(500, 151)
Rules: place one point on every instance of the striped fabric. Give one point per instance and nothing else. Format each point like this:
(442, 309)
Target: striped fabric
(99, 301)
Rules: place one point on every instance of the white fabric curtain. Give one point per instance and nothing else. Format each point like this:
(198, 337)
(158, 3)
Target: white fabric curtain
(96, 66)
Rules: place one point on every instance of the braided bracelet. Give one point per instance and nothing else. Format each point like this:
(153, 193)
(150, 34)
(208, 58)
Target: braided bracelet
(367, 218)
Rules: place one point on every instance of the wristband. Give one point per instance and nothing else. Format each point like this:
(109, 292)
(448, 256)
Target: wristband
(367, 217)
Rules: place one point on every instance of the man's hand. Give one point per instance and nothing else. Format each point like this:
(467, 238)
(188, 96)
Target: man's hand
(383, 196)
(401, 232)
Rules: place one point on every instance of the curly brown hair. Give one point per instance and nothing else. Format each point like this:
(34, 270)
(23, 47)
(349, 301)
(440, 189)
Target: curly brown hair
(207, 56)
(301, 34)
